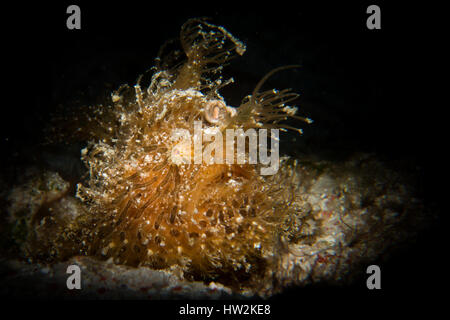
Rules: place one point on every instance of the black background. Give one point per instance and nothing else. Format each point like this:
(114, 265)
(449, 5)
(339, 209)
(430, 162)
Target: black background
(365, 89)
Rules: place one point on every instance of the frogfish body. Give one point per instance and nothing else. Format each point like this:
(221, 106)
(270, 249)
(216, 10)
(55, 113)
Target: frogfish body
(211, 219)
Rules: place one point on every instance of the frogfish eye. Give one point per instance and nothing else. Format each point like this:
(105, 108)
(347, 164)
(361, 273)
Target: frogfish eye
(215, 111)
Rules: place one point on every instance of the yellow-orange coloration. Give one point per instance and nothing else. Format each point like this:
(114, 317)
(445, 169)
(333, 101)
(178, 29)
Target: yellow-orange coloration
(210, 219)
